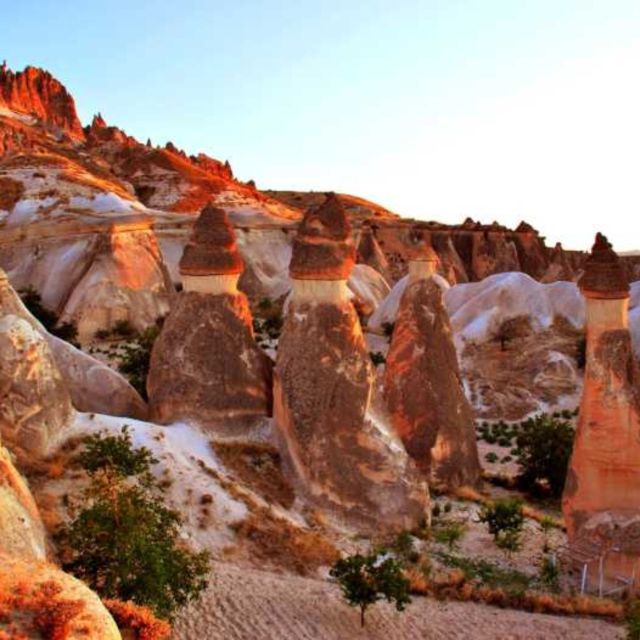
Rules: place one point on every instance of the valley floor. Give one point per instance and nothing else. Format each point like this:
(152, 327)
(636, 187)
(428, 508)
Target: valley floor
(246, 604)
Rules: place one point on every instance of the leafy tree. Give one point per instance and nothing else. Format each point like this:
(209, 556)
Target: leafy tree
(366, 579)
(124, 542)
(544, 449)
(49, 320)
(504, 519)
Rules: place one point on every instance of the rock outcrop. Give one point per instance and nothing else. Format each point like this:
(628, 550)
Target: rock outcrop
(601, 501)
(37, 93)
(93, 386)
(370, 253)
(338, 457)
(205, 366)
(41, 601)
(423, 386)
(35, 406)
(559, 266)
(21, 530)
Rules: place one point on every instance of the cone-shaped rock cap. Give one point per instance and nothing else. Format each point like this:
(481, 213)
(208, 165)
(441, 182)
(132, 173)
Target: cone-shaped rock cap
(212, 249)
(603, 274)
(322, 249)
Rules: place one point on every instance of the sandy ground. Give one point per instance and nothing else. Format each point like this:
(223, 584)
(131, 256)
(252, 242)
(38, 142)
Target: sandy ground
(244, 604)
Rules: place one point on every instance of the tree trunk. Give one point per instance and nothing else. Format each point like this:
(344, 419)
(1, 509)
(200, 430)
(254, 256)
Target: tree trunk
(362, 610)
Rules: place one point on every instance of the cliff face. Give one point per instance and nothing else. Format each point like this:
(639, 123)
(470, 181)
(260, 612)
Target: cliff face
(37, 93)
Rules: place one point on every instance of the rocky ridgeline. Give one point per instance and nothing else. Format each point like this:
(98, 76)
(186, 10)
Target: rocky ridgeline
(338, 458)
(601, 502)
(206, 366)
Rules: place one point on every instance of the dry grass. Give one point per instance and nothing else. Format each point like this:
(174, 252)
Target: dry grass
(277, 541)
(136, 622)
(453, 585)
(11, 192)
(259, 467)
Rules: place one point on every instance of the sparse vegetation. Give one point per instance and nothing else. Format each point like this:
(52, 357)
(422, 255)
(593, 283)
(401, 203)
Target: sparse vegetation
(450, 534)
(387, 328)
(632, 620)
(365, 580)
(377, 358)
(135, 359)
(123, 541)
(49, 320)
(544, 448)
(504, 519)
(267, 321)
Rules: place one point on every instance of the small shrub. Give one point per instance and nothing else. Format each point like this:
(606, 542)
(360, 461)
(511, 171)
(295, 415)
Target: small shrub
(404, 548)
(377, 358)
(102, 334)
(632, 620)
(365, 580)
(504, 519)
(387, 328)
(491, 457)
(549, 574)
(123, 328)
(449, 534)
(136, 358)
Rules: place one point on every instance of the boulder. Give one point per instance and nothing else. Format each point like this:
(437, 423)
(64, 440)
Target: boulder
(35, 405)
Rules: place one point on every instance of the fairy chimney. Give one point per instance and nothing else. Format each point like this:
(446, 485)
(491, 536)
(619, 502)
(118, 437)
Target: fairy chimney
(422, 381)
(205, 365)
(370, 253)
(601, 501)
(337, 458)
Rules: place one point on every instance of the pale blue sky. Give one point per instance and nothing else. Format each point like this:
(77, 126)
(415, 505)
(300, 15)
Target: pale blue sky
(439, 110)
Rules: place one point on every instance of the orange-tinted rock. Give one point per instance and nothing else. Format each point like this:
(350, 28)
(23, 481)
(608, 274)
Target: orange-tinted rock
(559, 266)
(205, 365)
(337, 457)
(322, 249)
(212, 249)
(601, 501)
(36, 92)
(424, 393)
(370, 253)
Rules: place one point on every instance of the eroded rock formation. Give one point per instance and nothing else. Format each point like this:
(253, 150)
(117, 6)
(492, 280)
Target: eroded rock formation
(35, 406)
(205, 365)
(93, 386)
(339, 458)
(423, 386)
(370, 253)
(601, 500)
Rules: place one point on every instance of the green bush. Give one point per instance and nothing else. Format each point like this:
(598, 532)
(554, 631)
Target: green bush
(449, 534)
(365, 580)
(124, 543)
(377, 358)
(549, 574)
(504, 519)
(135, 359)
(491, 457)
(632, 620)
(545, 444)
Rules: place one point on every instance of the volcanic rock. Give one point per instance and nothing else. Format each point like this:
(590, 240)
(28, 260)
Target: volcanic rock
(205, 365)
(370, 253)
(601, 499)
(559, 266)
(36, 594)
(338, 457)
(35, 406)
(94, 387)
(423, 389)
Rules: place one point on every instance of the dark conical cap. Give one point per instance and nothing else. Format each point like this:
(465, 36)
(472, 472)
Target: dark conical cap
(322, 249)
(603, 274)
(212, 249)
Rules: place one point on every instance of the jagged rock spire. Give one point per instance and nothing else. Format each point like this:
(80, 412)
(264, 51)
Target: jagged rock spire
(212, 249)
(420, 249)
(603, 275)
(322, 249)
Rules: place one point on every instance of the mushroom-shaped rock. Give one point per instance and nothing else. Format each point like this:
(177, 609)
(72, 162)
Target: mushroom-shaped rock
(205, 365)
(423, 389)
(35, 406)
(337, 456)
(601, 501)
(21, 530)
(39, 600)
(322, 249)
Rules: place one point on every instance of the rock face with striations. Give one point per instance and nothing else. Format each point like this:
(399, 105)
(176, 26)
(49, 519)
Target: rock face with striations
(423, 386)
(338, 457)
(601, 501)
(35, 406)
(205, 365)
(370, 253)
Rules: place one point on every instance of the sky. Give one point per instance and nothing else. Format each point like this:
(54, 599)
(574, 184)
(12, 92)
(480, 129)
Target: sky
(439, 110)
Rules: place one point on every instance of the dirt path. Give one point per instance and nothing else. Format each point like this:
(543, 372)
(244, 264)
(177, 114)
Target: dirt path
(244, 604)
